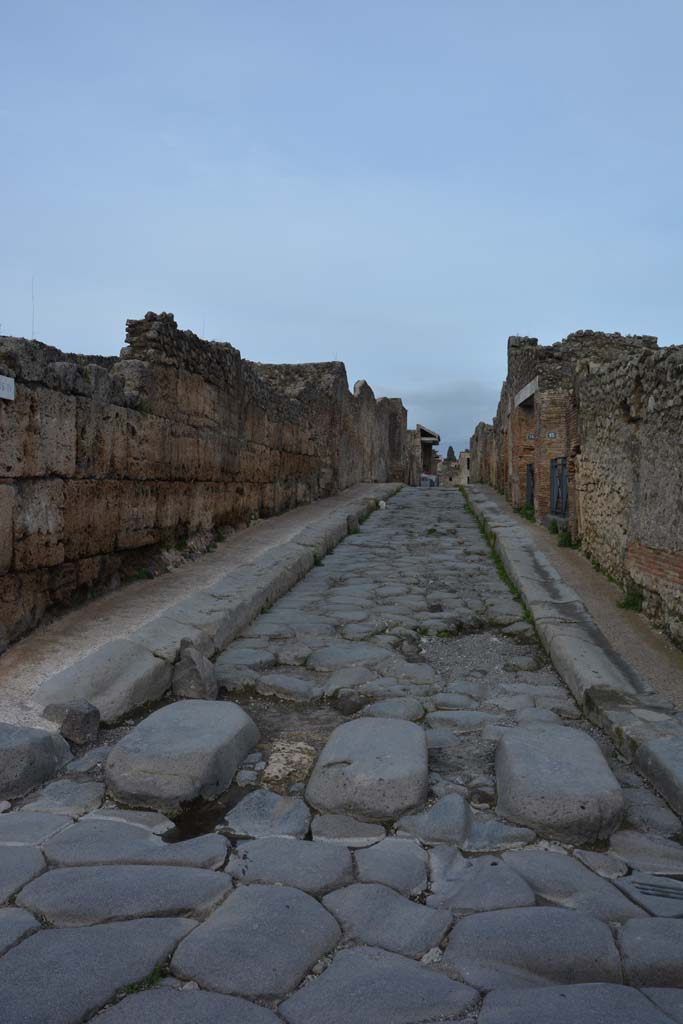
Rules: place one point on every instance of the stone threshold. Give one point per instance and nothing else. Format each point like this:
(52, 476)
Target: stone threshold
(132, 665)
(641, 723)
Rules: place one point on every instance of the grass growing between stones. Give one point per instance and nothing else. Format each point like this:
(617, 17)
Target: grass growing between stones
(632, 600)
(153, 979)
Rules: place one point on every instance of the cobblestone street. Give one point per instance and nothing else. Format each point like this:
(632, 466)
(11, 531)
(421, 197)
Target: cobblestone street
(414, 824)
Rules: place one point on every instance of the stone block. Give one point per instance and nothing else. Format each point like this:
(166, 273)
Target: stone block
(28, 757)
(38, 524)
(78, 720)
(182, 752)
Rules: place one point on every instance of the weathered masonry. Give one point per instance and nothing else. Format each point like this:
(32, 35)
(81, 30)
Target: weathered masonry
(589, 432)
(100, 457)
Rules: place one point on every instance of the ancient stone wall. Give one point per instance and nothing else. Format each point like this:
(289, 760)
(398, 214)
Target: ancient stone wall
(100, 457)
(612, 406)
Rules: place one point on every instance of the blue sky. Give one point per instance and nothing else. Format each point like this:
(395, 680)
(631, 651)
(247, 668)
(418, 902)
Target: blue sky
(400, 185)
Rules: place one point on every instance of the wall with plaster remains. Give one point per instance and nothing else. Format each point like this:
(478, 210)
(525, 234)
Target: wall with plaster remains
(612, 405)
(101, 457)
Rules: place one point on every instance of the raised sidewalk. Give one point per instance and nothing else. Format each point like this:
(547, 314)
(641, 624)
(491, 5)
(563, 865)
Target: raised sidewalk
(117, 651)
(642, 723)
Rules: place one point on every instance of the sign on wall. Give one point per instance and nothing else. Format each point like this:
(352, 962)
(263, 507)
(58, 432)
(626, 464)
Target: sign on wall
(7, 388)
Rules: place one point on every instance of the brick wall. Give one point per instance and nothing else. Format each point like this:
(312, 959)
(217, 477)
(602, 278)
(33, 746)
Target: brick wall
(100, 457)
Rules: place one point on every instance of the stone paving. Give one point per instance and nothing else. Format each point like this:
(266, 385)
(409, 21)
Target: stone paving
(393, 814)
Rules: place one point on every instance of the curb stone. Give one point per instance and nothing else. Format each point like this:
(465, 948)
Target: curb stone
(640, 722)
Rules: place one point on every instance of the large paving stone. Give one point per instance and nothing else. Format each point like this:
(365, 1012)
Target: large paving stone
(260, 943)
(532, 946)
(397, 707)
(560, 879)
(376, 915)
(661, 897)
(448, 820)
(315, 868)
(570, 1004)
(15, 925)
(375, 768)
(346, 831)
(346, 654)
(180, 753)
(264, 813)
(63, 975)
(30, 828)
(28, 757)
(652, 952)
(471, 885)
(116, 678)
(67, 796)
(99, 841)
(174, 1006)
(371, 986)
(669, 1000)
(398, 863)
(556, 781)
(18, 865)
(115, 892)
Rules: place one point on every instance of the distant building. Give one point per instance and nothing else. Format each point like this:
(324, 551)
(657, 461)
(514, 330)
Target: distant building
(454, 470)
(423, 459)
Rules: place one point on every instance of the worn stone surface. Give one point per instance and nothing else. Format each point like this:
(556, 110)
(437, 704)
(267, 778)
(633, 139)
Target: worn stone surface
(570, 1004)
(371, 986)
(264, 813)
(397, 707)
(95, 895)
(28, 757)
(374, 768)
(448, 820)
(650, 853)
(65, 796)
(651, 952)
(260, 943)
(314, 867)
(185, 1007)
(557, 782)
(376, 915)
(18, 865)
(398, 863)
(108, 957)
(180, 753)
(466, 886)
(96, 841)
(532, 946)
(669, 1000)
(662, 897)
(15, 925)
(29, 828)
(345, 830)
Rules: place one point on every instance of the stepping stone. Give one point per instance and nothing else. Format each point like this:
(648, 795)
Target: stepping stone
(376, 915)
(346, 831)
(448, 820)
(28, 757)
(532, 946)
(651, 952)
(117, 677)
(669, 1000)
(316, 868)
(561, 879)
(398, 863)
(67, 797)
(180, 753)
(557, 782)
(30, 828)
(259, 944)
(641, 852)
(93, 841)
(371, 986)
(15, 925)
(185, 1007)
(346, 654)
(18, 865)
(467, 886)
(95, 895)
(570, 1004)
(398, 707)
(82, 969)
(661, 897)
(264, 813)
(373, 767)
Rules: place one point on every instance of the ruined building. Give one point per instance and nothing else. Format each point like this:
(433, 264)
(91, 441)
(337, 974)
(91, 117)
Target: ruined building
(589, 432)
(102, 457)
